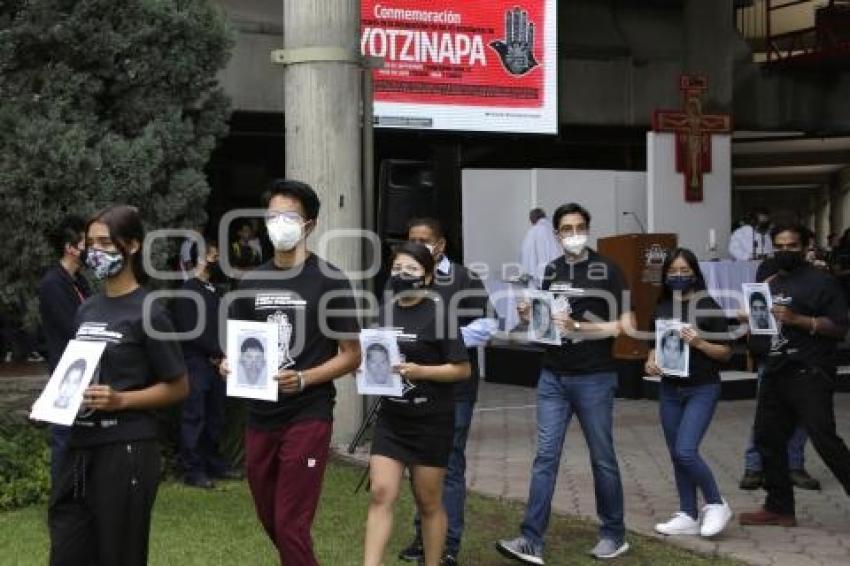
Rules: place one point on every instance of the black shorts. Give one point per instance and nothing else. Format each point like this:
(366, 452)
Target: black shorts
(414, 441)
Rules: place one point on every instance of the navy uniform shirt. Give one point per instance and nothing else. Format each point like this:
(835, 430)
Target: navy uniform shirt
(452, 278)
(60, 295)
(186, 318)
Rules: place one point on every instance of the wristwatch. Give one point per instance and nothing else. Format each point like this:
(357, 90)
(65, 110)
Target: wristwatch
(576, 326)
(301, 382)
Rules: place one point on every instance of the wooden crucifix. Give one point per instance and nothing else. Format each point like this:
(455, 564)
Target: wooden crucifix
(693, 131)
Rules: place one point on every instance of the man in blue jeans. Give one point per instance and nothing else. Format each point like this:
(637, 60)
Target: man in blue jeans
(578, 377)
(753, 478)
(461, 286)
(61, 291)
(753, 468)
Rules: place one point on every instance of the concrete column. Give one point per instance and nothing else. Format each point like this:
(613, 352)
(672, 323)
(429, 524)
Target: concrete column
(840, 202)
(709, 47)
(322, 113)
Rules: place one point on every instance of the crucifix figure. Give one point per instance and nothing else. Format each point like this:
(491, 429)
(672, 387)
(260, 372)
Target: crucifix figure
(693, 131)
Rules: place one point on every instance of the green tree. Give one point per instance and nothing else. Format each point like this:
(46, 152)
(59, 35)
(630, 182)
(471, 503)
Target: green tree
(102, 102)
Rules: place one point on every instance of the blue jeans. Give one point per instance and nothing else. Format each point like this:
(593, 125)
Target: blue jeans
(202, 421)
(591, 398)
(454, 484)
(686, 411)
(60, 436)
(796, 447)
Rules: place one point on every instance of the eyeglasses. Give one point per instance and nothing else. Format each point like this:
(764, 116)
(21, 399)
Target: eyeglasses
(564, 231)
(291, 216)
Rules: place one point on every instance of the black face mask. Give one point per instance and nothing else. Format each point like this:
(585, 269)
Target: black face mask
(788, 260)
(401, 283)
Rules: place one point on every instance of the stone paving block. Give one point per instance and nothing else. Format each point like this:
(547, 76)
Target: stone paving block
(502, 439)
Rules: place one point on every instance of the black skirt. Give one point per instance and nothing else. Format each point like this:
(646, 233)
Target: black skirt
(424, 440)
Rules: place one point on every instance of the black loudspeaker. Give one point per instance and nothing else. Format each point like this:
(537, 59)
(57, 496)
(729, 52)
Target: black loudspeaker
(406, 190)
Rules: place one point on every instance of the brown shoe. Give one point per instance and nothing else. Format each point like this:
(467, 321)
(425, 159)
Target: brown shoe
(763, 517)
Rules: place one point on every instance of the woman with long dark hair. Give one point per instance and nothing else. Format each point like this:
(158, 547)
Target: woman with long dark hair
(100, 505)
(687, 404)
(415, 431)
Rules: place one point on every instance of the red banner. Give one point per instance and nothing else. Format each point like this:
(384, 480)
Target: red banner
(470, 53)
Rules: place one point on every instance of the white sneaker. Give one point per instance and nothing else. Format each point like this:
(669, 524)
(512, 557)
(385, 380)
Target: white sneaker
(680, 524)
(715, 518)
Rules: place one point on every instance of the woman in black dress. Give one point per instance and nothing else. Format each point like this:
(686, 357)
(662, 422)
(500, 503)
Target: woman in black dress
(106, 484)
(415, 430)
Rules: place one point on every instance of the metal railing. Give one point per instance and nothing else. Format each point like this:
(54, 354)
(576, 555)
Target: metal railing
(781, 29)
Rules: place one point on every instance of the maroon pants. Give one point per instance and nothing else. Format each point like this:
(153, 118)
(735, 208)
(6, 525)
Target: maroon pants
(285, 467)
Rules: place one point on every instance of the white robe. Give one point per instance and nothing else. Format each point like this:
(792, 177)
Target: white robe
(742, 240)
(540, 247)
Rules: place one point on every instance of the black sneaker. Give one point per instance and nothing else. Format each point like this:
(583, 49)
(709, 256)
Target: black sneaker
(751, 480)
(413, 552)
(802, 480)
(448, 560)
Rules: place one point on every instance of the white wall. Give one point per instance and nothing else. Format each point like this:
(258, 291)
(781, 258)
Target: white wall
(495, 216)
(668, 210)
(594, 190)
(496, 203)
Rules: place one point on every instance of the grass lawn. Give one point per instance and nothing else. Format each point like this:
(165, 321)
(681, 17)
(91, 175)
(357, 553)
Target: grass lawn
(219, 527)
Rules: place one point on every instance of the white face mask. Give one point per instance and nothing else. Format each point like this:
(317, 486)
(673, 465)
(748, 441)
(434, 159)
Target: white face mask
(284, 233)
(574, 244)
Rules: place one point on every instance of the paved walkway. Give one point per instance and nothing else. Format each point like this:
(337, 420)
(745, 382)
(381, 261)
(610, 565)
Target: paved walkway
(501, 449)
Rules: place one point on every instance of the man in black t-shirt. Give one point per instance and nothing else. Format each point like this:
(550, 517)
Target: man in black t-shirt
(311, 301)
(753, 475)
(465, 296)
(579, 377)
(61, 291)
(799, 376)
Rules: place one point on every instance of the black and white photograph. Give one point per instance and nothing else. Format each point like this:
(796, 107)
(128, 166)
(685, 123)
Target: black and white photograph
(60, 401)
(672, 353)
(541, 325)
(379, 354)
(252, 348)
(759, 304)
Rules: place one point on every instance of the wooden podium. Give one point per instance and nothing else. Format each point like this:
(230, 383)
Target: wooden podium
(640, 257)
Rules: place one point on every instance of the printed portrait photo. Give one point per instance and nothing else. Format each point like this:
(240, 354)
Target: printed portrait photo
(61, 400)
(378, 366)
(381, 353)
(70, 383)
(253, 354)
(541, 325)
(759, 304)
(252, 366)
(672, 353)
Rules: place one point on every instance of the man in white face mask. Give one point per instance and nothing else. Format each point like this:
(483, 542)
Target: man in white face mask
(578, 377)
(287, 442)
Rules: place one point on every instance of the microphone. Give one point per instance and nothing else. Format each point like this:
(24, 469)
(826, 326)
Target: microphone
(637, 219)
